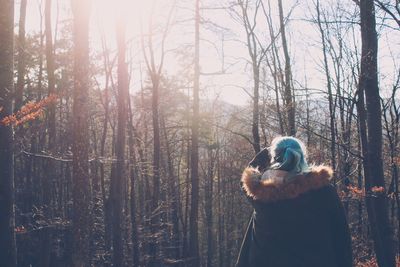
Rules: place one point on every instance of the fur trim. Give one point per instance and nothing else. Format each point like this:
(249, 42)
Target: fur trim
(269, 191)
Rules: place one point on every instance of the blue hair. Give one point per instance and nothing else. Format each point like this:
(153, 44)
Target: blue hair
(288, 154)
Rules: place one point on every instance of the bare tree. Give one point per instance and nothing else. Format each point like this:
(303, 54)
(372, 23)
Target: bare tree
(274, 65)
(391, 116)
(392, 8)
(329, 87)
(372, 139)
(289, 98)
(155, 70)
(257, 54)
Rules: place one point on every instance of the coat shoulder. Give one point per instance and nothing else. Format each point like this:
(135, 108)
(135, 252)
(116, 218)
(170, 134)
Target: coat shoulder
(270, 191)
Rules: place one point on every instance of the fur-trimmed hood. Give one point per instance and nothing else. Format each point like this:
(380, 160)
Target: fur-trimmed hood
(268, 189)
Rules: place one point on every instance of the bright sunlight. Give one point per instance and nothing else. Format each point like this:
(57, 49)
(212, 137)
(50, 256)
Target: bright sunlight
(199, 133)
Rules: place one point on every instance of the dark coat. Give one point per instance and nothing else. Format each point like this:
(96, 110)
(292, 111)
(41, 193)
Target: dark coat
(300, 223)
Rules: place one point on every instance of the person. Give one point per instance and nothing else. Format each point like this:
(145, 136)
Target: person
(298, 219)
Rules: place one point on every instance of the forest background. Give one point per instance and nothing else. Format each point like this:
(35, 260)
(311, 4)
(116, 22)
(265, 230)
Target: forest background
(125, 125)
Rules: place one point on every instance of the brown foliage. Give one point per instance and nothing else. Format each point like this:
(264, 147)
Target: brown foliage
(373, 263)
(29, 111)
(355, 192)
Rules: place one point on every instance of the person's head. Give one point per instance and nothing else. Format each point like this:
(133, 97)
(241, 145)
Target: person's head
(288, 154)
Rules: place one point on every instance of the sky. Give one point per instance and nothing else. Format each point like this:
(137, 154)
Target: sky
(215, 55)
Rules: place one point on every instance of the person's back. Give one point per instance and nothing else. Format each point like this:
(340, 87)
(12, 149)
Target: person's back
(298, 219)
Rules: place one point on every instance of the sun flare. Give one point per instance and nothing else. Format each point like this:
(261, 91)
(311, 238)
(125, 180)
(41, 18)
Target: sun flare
(133, 12)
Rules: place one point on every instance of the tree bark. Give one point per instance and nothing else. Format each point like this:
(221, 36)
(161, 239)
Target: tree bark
(173, 192)
(80, 146)
(289, 99)
(50, 74)
(7, 220)
(133, 176)
(107, 213)
(118, 172)
(373, 167)
(194, 154)
(208, 203)
(274, 68)
(156, 162)
(21, 57)
(330, 96)
(256, 56)
(49, 166)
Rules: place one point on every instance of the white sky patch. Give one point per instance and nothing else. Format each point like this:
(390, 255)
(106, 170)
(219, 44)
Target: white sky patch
(223, 63)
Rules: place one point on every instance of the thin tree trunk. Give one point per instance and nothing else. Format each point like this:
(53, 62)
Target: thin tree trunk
(40, 63)
(256, 59)
(50, 168)
(155, 74)
(395, 176)
(133, 177)
(256, 109)
(118, 172)
(289, 98)
(173, 195)
(156, 165)
(194, 154)
(21, 56)
(50, 74)
(7, 219)
(208, 206)
(330, 97)
(107, 215)
(273, 68)
(80, 145)
(220, 212)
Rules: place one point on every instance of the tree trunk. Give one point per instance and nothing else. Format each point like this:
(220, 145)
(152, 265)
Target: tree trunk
(256, 108)
(289, 99)
(274, 67)
(50, 168)
(133, 176)
(256, 59)
(80, 146)
(173, 192)
(50, 75)
(330, 96)
(194, 154)
(156, 166)
(7, 223)
(118, 172)
(208, 204)
(372, 152)
(21, 57)
(106, 213)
